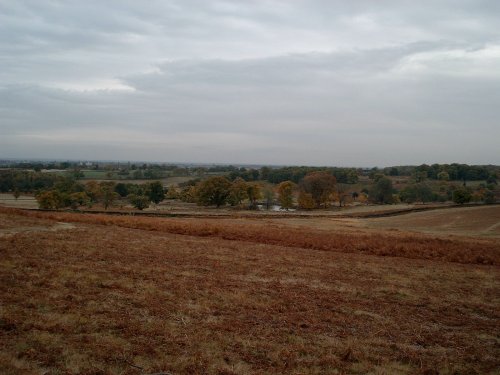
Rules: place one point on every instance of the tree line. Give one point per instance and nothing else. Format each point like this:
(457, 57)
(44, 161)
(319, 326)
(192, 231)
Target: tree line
(317, 188)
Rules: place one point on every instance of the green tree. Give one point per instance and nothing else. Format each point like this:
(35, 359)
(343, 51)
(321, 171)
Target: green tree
(121, 189)
(489, 197)
(381, 191)
(108, 194)
(49, 200)
(16, 193)
(139, 201)
(213, 191)
(285, 194)
(155, 192)
(93, 190)
(461, 195)
(443, 176)
(420, 192)
(79, 199)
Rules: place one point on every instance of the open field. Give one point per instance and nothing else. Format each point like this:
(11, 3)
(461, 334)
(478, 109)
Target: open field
(469, 221)
(97, 294)
(478, 221)
(24, 201)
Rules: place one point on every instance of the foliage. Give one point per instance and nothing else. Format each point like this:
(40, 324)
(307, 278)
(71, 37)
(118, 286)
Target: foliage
(26, 181)
(121, 189)
(238, 192)
(489, 197)
(172, 193)
(49, 200)
(320, 185)
(139, 201)
(189, 194)
(381, 191)
(420, 192)
(213, 191)
(342, 194)
(155, 192)
(268, 194)
(462, 195)
(296, 174)
(306, 201)
(79, 199)
(285, 194)
(108, 194)
(443, 176)
(93, 190)
(253, 193)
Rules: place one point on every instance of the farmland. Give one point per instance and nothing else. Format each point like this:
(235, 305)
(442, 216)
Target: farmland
(137, 295)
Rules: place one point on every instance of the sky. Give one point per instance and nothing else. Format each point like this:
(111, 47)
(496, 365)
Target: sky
(296, 82)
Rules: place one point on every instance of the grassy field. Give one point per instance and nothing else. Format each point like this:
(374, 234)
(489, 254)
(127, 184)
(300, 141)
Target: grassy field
(94, 294)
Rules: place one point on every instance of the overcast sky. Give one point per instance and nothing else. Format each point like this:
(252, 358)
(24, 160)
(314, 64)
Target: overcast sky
(314, 82)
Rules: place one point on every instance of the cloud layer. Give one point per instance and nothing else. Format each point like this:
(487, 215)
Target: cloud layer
(271, 82)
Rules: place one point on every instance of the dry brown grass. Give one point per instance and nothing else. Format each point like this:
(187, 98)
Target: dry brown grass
(386, 244)
(190, 297)
(469, 221)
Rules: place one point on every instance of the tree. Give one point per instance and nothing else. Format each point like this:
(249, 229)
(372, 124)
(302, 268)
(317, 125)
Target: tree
(489, 197)
(93, 190)
(306, 201)
(108, 194)
(213, 191)
(285, 194)
(415, 193)
(121, 189)
(49, 200)
(172, 193)
(155, 192)
(268, 197)
(492, 179)
(16, 193)
(342, 194)
(139, 201)
(78, 199)
(253, 192)
(320, 185)
(189, 194)
(238, 191)
(461, 195)
(443, 176)
(381, 191)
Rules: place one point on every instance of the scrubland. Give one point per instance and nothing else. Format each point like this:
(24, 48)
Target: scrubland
(97, 294)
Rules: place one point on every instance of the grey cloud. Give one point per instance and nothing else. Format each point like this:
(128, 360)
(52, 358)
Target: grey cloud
(317, 82)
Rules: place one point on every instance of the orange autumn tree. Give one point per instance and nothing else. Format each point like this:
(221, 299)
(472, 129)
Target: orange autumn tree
(285, 193)
(320, 185)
